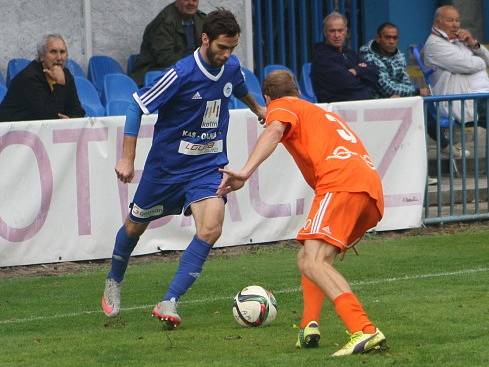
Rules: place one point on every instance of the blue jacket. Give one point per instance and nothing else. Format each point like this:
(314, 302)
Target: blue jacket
(331, 80)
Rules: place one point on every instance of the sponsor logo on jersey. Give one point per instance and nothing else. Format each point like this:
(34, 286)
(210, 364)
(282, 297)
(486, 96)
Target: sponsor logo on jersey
(196, 96)
(228, 89)
(188, 148)
(343, 153)
(211, 114)
(146, 213)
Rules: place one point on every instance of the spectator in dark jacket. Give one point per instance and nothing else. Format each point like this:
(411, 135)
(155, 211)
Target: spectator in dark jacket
(45, 89)
(336, 71)
(173, 34)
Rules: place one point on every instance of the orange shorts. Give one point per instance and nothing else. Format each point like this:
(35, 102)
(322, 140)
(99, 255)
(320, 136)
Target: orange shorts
(340, 218)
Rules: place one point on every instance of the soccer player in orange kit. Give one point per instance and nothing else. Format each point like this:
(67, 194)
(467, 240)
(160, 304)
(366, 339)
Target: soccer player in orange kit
(348, 201)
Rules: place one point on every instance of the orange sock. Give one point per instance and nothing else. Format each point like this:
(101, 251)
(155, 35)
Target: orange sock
(313, 301)
(351, 312)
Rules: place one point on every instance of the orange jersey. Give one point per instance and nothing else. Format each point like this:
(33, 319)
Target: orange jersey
(329, 154)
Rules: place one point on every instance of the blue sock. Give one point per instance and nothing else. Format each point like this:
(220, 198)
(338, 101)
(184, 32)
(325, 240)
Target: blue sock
(189, 269)
(124, 245)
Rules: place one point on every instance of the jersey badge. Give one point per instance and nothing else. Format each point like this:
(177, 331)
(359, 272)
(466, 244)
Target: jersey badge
(228, 89)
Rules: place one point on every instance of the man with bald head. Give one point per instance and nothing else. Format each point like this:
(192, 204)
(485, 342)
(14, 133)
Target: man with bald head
(459, 60)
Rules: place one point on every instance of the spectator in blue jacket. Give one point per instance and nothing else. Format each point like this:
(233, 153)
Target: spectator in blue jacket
(337, 73)
(393, 79)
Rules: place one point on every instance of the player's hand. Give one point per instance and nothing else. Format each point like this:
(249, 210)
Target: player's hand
(261, 113)
(56, 74)
(231, 181)
(124, 169)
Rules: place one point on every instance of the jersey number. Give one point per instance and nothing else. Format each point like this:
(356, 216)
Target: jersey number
(344, 132)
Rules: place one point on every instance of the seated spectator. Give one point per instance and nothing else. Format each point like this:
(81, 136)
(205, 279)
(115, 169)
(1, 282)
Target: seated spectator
(45, 89)
(336, 71)
(460, 63)
(173, 34)
(393, 79)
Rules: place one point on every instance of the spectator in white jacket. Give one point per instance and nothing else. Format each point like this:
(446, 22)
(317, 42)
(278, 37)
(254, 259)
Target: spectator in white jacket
(460, 63)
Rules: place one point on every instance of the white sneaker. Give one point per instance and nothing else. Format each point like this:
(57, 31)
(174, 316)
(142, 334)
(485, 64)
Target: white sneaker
(111, 299)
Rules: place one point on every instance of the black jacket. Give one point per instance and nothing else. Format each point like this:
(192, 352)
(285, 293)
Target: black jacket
(29, 97)
(331, 80)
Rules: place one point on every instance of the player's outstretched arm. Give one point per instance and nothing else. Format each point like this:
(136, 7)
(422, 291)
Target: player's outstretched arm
(266, 144)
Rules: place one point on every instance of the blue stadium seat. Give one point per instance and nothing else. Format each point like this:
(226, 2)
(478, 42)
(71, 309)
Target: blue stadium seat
(306, 83)
(236, 103)
(118, 87)
(253, 85)
(88, 96)
(427, 72)
(14, 66)
(151, 76)
(3, 91)
(273, 67)
(98, 67)
(131, 62)
(75, 68)
(116, 107)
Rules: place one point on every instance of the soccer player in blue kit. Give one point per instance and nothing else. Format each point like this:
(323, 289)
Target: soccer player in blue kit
(181, 172)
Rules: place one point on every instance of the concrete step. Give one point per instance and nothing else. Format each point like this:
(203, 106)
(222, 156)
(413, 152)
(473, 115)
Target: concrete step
(447, 193)
(458, 211)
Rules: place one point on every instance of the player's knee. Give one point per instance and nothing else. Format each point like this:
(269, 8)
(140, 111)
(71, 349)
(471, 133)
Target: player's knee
(134, 229)
(308, 267)
(210, 234)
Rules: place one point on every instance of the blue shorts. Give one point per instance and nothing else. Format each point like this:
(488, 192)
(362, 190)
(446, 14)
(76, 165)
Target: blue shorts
(155, 200)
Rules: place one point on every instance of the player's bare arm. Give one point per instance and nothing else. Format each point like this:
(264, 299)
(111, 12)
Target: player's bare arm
(254, 106)
(265, 146)
(124, 168)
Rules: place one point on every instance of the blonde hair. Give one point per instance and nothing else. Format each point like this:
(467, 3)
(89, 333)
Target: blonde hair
(280, 83)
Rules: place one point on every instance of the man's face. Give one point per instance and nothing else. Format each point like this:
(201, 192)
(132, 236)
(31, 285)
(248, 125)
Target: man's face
(219, 50)
(335, 32)
(56, 54)
(449, 22)
(187, 8)
(388, 39)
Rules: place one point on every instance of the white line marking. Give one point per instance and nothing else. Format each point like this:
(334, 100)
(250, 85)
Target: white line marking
(358, 283)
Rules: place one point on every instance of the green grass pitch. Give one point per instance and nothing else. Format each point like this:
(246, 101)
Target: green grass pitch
(428, 293)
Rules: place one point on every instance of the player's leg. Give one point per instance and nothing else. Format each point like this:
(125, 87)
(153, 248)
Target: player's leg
(126, 240)
(342, 218)
(313, 299)
(208, 212)
(148, 204)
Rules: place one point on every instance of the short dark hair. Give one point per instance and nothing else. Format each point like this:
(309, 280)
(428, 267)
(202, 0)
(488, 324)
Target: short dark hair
(385, 25)
(280, 83)
(220, 22)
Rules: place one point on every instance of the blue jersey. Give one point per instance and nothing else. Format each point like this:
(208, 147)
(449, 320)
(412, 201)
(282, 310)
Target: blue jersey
(193, 115)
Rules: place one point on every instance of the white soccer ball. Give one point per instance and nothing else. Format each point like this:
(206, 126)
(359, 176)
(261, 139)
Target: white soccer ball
(254, 306)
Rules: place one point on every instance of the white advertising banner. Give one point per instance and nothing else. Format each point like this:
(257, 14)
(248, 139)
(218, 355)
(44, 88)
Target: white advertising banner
(60, 199)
